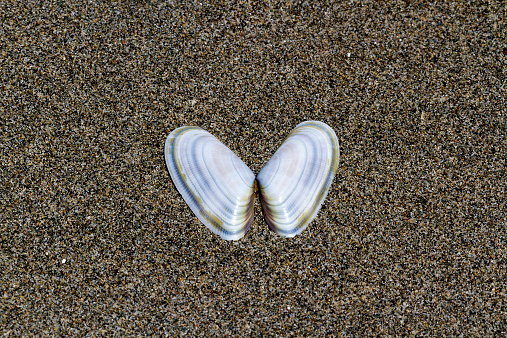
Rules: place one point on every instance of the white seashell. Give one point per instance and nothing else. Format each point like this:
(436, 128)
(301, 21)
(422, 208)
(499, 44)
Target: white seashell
(295, 181)
(219, 187)
(215, 183)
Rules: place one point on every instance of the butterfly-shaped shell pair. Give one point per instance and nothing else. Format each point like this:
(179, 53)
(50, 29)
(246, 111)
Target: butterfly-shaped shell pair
(219, 187)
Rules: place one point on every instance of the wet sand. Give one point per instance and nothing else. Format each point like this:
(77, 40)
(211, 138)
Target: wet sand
(95, 239)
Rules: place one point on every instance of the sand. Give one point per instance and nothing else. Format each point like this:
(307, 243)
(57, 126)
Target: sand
(95, 239)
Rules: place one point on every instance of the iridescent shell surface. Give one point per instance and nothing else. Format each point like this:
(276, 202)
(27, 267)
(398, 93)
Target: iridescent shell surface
(214, 182)
(295, 181)
(219, 187)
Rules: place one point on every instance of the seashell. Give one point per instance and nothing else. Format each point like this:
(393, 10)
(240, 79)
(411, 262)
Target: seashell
(219, 187)
(295, 181)
(215, 183)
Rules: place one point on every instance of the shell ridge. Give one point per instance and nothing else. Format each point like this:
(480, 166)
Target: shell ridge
(225, 207)
(235, 157)
(293, 202)
(292, 214)
(180, 182)
(196, 181)
(309, 179)
(214, 188)
(275, 157)
(324, 187)
(239, 203)
(281, 201)
(292, 195)
(211, 174)
(323, 192)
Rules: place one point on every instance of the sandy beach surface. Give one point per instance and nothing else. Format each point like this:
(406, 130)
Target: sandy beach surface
(95, 240)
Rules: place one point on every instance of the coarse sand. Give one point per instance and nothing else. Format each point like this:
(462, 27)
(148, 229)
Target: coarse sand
(95, 240)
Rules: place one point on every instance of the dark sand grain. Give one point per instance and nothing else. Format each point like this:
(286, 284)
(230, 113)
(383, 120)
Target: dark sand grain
(95, 240)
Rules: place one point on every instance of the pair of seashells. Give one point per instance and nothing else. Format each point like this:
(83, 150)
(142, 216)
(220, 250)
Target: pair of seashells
(220, 189)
